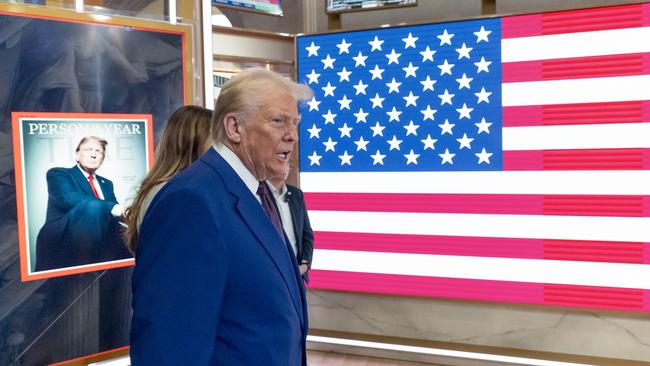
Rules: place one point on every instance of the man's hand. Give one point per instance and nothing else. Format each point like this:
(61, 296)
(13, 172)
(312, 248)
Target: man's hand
(303, 268)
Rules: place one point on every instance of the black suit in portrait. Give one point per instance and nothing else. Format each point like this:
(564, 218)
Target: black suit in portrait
(79, 227)
(301, 226)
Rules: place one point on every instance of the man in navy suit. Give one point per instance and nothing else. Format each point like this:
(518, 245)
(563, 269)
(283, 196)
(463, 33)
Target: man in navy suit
(82, 220)
(290, 202)
(215, 282)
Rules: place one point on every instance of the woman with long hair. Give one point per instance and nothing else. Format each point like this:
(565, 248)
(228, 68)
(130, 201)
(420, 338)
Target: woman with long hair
(185, 138)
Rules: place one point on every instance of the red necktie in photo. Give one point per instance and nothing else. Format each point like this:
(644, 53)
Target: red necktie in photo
(92, 186)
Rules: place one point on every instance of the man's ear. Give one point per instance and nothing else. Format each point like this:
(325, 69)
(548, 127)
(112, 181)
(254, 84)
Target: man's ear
(233, 128)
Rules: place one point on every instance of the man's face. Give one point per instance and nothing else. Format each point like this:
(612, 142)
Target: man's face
(268, 137)
(90, 155)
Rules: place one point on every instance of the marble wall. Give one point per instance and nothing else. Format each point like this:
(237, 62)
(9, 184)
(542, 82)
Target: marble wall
(536, 328)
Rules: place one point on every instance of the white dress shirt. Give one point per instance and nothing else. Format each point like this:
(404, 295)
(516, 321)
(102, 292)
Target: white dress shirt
(285, 215)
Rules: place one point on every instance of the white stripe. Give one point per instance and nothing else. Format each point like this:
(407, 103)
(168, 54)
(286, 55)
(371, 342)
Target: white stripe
(607, 228)
(590, 90)
(581, 44)
(615, 182)
(600, 136)
(496, 269)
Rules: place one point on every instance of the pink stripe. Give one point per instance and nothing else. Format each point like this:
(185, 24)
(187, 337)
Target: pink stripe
(583, 20)
(579, 67)
(575, 250)
(577, 114)
(585, 159)
(485, 290)
(518, 204)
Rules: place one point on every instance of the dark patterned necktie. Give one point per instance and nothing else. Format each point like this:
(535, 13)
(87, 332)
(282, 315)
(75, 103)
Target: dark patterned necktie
(269, 207)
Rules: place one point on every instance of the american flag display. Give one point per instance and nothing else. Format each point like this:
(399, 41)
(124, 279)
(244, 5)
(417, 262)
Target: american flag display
(502, 159)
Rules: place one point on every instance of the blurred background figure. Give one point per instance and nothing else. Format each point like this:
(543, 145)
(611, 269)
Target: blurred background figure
(185, 137)
(291, 204)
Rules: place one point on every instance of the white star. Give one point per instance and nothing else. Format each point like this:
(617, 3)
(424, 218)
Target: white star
(314, 159)
(446, 127)
(394, 115)
(393, 86)
(446, 97)
(411, 158)
(394, 143)
(314, 131)
(329, 144)
(482, 35)
(445, 38)
(378, 158)
(393, 57)
(344, 75)
(465, 142)
(361, 115)
(328, 62)
(463, 51)
(345, 158)
(328, 89)
(428, 113)
(429, 143)
(411, 99)
(427, 54)
(377, 101)
(344, 102)
(376, 44)
(484, 126)
(313, 77)
(410, 70)
(360, 88)
(464, 81)
(345, 130)
(447, 157)
(361, 144)
(313, 104)
(427, 84)
(312, 49)
(377, 130)
(409, 41)
(376, 72)
(411, 129)
(483, 156)
(464, 112)
(329, 117)
(359, 60)
(482, 65)
(344, 47)
(483, 96)
(445, 68)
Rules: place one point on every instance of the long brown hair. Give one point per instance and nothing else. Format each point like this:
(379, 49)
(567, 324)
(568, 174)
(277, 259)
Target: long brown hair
(185, 138)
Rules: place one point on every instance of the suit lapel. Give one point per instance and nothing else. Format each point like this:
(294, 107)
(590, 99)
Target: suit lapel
(296, 216)
(258, 222)
(80, 179)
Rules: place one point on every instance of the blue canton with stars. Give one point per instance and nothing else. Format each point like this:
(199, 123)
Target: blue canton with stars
(418, 98)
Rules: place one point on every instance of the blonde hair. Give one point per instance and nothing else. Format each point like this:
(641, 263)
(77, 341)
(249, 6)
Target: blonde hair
(245, 93)
(185, 138)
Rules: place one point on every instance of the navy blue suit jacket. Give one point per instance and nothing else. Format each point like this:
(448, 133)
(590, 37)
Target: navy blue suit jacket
(79, 228)
(301, 226)
(214, 283)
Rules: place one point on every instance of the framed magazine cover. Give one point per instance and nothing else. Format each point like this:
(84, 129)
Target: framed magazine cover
(53, 200)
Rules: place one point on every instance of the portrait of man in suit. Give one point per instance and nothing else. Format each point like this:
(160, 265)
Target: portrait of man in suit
(215, 280)
(82, 220)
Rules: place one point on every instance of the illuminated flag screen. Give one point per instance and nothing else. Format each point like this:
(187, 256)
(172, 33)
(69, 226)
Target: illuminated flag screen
(501, 159)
